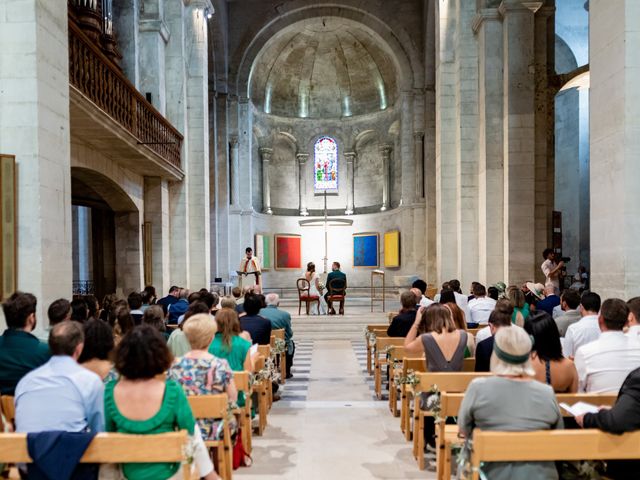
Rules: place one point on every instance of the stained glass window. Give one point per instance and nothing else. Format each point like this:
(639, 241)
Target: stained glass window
(326, 164)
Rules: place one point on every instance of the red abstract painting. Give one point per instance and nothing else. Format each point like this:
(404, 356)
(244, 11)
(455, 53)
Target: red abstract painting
(288, 252)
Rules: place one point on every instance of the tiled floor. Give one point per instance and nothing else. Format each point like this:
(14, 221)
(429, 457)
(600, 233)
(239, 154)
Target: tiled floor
(328, 425)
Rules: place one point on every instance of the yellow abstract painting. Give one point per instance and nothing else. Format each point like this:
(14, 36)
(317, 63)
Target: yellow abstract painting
(392, 249)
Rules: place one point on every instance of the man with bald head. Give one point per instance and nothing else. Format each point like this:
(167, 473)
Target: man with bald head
(280, 320)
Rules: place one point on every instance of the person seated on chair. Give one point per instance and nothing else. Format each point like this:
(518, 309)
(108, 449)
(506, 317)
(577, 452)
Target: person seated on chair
(280, 319)
(258, 327)
(402, 323)
(339, 286)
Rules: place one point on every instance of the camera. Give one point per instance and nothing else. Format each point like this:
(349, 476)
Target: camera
(566, 259)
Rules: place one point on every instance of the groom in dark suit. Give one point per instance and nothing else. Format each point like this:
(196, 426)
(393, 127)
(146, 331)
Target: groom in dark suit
(339, 286)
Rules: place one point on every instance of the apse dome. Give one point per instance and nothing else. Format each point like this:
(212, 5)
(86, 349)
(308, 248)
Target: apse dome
(323, 68)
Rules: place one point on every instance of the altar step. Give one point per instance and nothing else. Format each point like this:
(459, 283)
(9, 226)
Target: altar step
(334, 327)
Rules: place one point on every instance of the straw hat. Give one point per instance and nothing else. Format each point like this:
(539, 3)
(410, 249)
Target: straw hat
(537, 289)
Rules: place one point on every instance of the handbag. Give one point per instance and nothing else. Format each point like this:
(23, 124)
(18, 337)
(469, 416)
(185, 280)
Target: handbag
(240, 457)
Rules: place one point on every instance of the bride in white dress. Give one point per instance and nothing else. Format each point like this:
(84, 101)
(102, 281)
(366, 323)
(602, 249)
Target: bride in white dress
(315, 289)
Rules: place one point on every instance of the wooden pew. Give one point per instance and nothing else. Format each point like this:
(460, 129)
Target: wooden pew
(447, 435)
(469, 364)
(8, 409)
(406, 393)
(456, 382)
(550, 445)
(282, 357)
(262, 389)
(112, 448)
(371, 328)
(380, 359)
(216, 406)
(241, 380)
(396, 357)
(473, 331)
(265, 351)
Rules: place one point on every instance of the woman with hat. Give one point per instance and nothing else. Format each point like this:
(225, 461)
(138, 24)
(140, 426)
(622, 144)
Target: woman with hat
(511, 401)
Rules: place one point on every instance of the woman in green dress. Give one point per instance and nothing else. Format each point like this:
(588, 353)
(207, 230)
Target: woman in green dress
(143, 402)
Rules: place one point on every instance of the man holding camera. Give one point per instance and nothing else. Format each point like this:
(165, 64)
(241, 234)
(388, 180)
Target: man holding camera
(552, 271)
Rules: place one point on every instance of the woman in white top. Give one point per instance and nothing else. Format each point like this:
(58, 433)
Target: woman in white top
(315, 289)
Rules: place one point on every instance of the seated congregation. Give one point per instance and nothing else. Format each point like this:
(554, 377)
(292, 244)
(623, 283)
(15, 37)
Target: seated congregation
(133, 367)
(505, 357)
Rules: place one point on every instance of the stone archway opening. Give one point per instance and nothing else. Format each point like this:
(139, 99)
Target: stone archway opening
(106, 228)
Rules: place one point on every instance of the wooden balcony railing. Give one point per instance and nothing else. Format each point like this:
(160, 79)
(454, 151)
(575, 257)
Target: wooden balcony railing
(91, 72)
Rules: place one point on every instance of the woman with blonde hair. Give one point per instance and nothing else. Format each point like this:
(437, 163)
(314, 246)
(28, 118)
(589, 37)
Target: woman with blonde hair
(520, 306)
(511, 400)
(200, 373)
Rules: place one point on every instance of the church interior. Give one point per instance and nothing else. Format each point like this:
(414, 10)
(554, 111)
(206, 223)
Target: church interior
(404, 143)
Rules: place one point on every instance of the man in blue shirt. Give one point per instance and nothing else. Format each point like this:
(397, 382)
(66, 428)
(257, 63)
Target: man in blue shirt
(339, 285)
(550, 301)
(280, 320)
(20, 350)
(164, 302)
(179, 308)
(61, 395)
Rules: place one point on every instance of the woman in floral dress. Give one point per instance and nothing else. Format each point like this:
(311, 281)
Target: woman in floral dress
(200, 373)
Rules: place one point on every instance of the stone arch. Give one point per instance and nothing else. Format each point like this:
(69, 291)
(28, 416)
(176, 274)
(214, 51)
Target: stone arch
(116, 232)
(399, 45)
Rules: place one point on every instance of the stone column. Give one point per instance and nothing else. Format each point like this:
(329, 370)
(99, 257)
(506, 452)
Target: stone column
(488, 28)
(156, 211)
(418, 152)
(154, 34)
(615, 146)
(235, 180)
(265, 155)
(385, 151)
(405, 152)
(197, 80)
(34, 127)
(519, 139)
(302, 181)
(351, 157)
(222, 189)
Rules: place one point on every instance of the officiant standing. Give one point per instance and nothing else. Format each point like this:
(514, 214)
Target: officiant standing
(249, 272)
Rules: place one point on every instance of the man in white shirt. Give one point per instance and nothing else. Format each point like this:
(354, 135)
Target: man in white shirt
(587, 328)
(480, 306)
(551, 270)
(461, 300)
(603, 364)
(634, 317)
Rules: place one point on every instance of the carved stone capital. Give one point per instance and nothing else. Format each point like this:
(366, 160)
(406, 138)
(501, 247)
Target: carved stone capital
(302, 158)
(385, 149)
(155, 25)
(486, 14)
(233, 141)
(518, 6)
(418, 136)
(350, 156)
(265, 153)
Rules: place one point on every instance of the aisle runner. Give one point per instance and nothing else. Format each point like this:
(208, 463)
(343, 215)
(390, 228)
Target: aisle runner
(296, 388)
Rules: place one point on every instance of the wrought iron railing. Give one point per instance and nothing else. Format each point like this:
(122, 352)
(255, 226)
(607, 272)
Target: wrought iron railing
(94, 75)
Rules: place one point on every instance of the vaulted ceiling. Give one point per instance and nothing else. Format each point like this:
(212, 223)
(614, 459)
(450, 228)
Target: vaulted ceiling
(323, 68)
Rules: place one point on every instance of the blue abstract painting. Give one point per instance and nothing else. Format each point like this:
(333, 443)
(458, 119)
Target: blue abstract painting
(365, 250)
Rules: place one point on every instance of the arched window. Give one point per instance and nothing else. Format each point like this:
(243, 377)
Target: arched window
(325, 161)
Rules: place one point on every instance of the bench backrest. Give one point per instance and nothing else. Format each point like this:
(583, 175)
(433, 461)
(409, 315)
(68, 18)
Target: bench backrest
(469, 364)
(108, 448)
(397, 354)
(448, 382)
(209, 406)
(549, 445)
(415, 364)
(264, 350)
(377, 326)
(384, 342)
(241, 379)
(278, 333)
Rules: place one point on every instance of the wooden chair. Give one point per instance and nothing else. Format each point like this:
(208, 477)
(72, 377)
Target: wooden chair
(380, 359)
(447, 435)
(282, 357)
(396, 358)
(216, 406)
(446, 382)
(550, 445)
(262, 389)
(372, 328)
(112, 448)
(265, 351)
(8, 409)
(303, 286)
(406, 393)
(241, 379)
(337, 289)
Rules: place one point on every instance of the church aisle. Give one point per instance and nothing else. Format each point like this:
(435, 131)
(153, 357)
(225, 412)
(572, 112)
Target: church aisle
(339, 431)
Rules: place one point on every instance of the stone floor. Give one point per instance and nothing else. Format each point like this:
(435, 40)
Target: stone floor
(328, 424)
